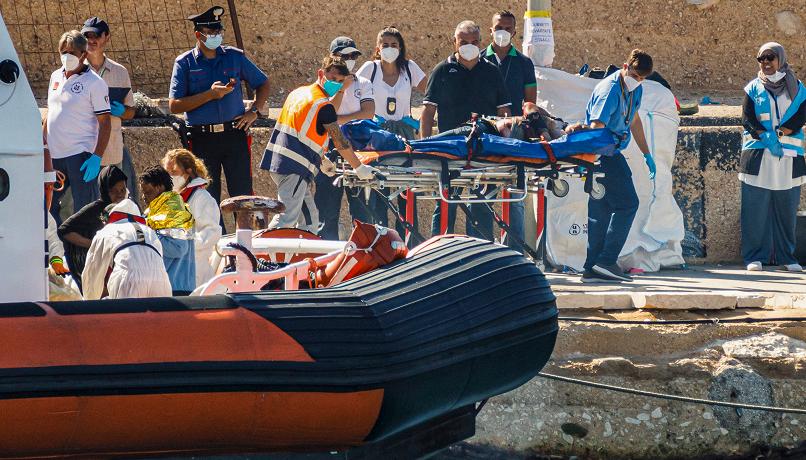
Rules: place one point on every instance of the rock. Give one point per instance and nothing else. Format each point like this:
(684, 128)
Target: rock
(769, 345)
(632, 421)
(788, 22)
(643, 416)
(657, 413)
(608, 429)
(707, 415)
(740, 383)
(702, 4)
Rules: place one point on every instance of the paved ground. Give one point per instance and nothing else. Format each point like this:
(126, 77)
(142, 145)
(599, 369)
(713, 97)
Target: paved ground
(697, 288)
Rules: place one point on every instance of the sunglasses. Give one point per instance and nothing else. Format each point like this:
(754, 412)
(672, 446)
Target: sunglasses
(350, 56)
(767, 57)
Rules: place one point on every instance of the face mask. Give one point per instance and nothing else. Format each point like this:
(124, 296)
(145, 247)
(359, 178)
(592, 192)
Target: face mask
(212, 42)
(469, 52)
(69, 62)
(179, 182)
(776, 77)
(390, 54)
(631, 83)
(331, 87)
(502, 38)
(350, 63)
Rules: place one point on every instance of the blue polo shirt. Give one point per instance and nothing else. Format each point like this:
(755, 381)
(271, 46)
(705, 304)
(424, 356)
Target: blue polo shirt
(194, 74)
(518, 72)
(614, 106)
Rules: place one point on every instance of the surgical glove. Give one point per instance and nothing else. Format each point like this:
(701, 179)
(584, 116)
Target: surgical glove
(650, 162)
(772, 143)
(91, 167)
(365, 172)
(117, 109)
(57, 264)
(328, 168)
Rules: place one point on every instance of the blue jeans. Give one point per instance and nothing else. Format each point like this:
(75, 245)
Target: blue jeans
(768, 224)
(328, 201)
(610, 218)
(517, 211)
(127, 166)
(83, 193)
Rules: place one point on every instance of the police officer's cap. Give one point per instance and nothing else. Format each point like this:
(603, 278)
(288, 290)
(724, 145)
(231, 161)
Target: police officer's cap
(210, 18)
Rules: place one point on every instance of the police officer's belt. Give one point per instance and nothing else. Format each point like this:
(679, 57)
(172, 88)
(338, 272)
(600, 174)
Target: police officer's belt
(219, 128)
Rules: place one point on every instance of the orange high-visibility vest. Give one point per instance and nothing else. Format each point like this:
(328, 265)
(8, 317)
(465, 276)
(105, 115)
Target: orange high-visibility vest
(295, 147)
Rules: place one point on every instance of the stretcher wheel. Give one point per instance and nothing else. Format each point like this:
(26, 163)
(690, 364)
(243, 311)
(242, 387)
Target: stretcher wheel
(597, 190)
(559, 187)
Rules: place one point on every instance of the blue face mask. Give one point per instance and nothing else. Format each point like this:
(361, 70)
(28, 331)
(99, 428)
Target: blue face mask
(212, 42)
(331, 87)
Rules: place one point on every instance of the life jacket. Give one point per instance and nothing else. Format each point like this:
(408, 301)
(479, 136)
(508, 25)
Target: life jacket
(369, 247)
(295, 146)
(188, 192)
(764, 104)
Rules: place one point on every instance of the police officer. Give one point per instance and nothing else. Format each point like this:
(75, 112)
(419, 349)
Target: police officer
(206, 84)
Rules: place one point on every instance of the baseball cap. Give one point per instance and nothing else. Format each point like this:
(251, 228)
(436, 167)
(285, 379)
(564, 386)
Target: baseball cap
(343, 45)
(96, 25)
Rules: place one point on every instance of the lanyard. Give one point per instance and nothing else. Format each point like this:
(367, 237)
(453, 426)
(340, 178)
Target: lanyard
(509, 63)
(628, 111)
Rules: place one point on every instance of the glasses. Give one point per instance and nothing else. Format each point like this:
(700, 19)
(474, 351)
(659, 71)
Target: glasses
(351, 56)
(767, 57)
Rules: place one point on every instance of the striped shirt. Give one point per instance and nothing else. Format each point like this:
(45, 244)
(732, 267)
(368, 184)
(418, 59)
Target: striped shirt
(120, 89)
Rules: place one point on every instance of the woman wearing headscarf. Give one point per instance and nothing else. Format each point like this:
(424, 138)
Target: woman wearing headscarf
(78, 230)
(772, 163)
(170, 217)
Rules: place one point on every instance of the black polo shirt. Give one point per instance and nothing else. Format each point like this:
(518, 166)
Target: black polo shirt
(518, 72)
(457, 91)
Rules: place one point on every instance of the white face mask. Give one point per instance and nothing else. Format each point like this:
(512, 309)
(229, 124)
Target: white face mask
(776, 77)
(631, 83)
(469, 52)
(178, 182)
(390, 54)
(69, 62)
(502, 38)
(350, 63)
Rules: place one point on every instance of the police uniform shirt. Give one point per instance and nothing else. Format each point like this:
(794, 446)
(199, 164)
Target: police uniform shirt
(194, 74)
(359, 91)
(614, 106)
(518, 72)
(73, 107)
(458, 92)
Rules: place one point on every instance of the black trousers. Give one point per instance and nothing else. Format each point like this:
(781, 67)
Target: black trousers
(231, 151)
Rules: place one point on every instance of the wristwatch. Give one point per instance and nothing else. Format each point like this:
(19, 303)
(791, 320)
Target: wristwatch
(779, 132)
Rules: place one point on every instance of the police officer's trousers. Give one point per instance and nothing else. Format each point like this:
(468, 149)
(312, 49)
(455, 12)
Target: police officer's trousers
(228, 150)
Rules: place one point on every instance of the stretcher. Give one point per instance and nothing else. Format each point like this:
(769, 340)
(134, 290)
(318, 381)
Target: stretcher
(473, 169)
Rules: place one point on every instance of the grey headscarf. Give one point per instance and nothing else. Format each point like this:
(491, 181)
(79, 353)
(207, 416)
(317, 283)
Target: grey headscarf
(789, 82)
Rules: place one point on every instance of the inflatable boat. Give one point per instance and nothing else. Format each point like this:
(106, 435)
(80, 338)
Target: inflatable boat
(324, 370)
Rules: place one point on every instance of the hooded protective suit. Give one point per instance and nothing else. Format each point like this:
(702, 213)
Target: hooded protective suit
(136, 270)
(207, 231)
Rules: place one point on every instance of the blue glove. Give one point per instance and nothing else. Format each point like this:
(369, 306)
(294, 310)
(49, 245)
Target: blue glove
(772, 143)
(117, 109)
(650, 162)
(91, 167)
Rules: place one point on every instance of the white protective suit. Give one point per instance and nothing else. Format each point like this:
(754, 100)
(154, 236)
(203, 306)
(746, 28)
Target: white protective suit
(207, 216)
(138, 270)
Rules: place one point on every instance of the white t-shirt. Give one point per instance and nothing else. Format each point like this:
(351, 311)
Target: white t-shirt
(73, 106)
(775, 173)
(401, 91)
(359, 91)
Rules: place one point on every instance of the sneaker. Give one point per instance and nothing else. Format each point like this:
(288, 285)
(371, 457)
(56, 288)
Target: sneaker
(754, 267)
(591, 277)
(794, 268)
(612, 272)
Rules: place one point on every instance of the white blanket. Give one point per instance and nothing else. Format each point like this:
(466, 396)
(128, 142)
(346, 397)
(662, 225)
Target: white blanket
(654, 240)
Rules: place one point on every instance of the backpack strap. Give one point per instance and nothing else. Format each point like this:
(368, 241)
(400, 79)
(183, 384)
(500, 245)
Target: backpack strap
(140, 241)
(374, 71)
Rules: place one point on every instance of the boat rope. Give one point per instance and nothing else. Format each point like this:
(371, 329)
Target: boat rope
(652, 394)
(648, 322)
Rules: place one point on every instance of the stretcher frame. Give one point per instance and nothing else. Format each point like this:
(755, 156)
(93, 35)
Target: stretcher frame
(465, 182)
